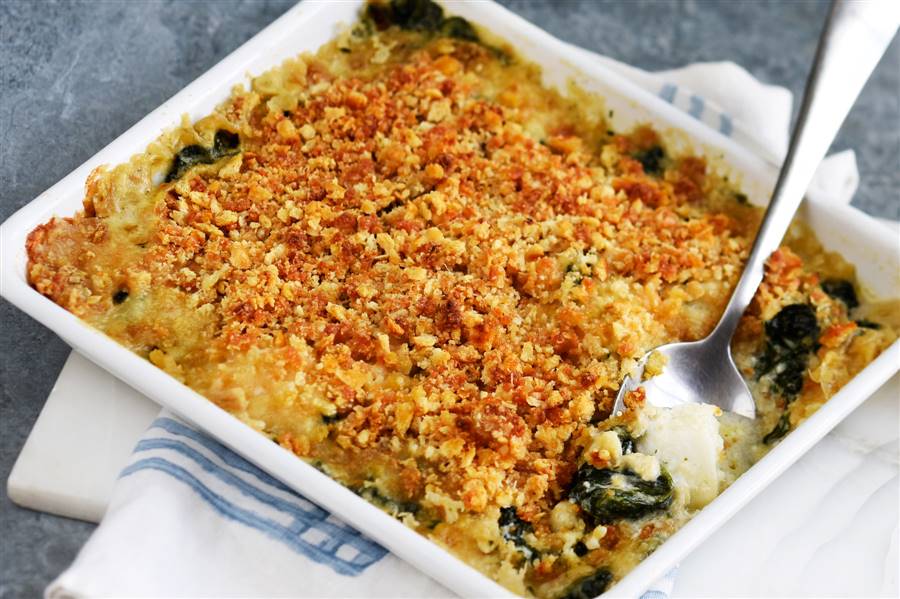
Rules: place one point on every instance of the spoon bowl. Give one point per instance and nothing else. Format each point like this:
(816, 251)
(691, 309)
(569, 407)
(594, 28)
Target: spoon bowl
(695, 372)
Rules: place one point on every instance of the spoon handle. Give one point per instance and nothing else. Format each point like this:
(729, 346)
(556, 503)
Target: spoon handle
(855, 36)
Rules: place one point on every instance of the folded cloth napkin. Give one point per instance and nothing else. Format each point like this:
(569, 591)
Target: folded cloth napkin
(189, 517)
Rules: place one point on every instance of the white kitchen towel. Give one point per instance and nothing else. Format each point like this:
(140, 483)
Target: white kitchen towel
(189, 517)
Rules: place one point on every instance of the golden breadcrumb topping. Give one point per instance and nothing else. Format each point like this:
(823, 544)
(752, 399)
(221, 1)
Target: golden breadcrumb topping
(412, 265)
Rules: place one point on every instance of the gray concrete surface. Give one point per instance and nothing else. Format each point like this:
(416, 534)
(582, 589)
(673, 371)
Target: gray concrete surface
(75, 75)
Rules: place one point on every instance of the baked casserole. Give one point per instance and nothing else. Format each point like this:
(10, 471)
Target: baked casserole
(411, 264)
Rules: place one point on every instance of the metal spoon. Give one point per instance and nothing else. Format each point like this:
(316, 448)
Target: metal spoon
(855, 36)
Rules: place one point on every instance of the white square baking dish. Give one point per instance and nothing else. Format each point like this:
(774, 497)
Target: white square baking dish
(862, 240)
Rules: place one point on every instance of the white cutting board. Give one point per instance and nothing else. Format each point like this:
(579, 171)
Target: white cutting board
(828, 526)
(81, 441)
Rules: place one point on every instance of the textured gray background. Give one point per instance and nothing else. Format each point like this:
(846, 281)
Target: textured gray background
(76, 75)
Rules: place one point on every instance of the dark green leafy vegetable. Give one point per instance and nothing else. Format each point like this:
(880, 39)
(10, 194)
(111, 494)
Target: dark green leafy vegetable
(795, 327)
(867, 324)
(419, 15)
(459, 28)
(225, 144)
(841, 289)
(788, 373)
(387, 503)
(575, 271)
(187, 157)
(741, 198)
(379, 14)
(791, 336)
(652, 159)
(781, 428)
(336, 417)
(514, 529)
(608, 495)
(590, 587)
(120, 296)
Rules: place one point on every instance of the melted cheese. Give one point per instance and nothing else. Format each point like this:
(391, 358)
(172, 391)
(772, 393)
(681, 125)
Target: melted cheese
(686, 441)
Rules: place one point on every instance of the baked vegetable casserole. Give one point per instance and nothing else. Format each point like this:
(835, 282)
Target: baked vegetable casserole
(412, 265)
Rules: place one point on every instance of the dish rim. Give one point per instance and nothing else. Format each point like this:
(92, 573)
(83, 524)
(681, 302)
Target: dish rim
(406, 543)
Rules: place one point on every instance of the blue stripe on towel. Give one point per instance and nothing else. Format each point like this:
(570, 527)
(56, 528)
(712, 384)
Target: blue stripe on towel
(312, 531)
(229, 457)
(668, 92)
(360, 554)
(696, 109)
(314, 514)
(725, 125)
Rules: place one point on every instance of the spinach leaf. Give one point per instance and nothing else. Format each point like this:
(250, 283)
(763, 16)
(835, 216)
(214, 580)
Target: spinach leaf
(187, 157)
(608, 495)
(336, 417)
(841, 289)
(791, 336)
(225, 144)
(652, 159)
(514, 529)
(781, 428)
(575, 271)
(867, 324)
(419, 15)
(591, 586)
(794, 328)
(389, 504)
(459, 28)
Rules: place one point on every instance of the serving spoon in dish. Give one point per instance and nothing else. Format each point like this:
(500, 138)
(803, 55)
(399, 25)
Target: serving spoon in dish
(855, 36)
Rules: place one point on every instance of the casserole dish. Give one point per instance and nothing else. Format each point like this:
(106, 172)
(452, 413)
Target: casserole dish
(588, 85)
